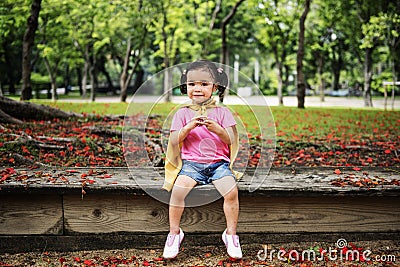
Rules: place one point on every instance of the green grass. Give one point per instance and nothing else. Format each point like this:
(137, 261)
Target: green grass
(291, 123)
(334, 123)
(88, 108)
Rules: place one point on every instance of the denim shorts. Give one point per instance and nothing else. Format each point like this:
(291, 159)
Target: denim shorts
(206, 173)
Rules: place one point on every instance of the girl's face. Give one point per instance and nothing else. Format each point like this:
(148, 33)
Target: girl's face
(200, 85)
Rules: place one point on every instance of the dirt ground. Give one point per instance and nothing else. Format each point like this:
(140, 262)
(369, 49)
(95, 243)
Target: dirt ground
(378, 253)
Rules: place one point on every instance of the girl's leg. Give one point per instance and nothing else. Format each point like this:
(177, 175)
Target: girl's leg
(226, 186)
(182, 187)
(228, 189)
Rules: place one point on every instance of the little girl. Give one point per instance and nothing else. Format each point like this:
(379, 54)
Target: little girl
(202, 146)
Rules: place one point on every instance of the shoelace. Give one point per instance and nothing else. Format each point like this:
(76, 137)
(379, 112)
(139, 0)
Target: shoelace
(170, 240)
(235, 239)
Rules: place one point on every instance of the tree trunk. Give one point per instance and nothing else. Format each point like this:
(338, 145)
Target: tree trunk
(336, 72)
(27, 46)
(67, 79)
(5, 118)
(368, 77)
(286, 75)
(124, 92)
(138, 79)
(53, 78)
(79, 80)
(123, 80)
(207, 40)
(93, 82)
(166, 61)
(126, 76)
(320, 60)
(12, 111)
(394, 76)
(301, 84)
(280, 82)
(9, 59)
(84, 79)
(111, 87)
(225, 23)
(385, 97)
(224, 46)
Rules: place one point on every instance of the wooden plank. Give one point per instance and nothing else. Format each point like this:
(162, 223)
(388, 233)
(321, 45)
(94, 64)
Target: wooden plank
(319, 214)
(118, 213)
(142, 214)
(279, 181)
(31, 214)
(113, 213)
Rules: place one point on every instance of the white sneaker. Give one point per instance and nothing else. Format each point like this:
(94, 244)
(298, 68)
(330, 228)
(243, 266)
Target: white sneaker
(172, 244)
(232, 245)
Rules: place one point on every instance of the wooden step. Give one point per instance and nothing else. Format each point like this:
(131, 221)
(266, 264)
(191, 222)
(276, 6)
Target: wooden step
(62, 202)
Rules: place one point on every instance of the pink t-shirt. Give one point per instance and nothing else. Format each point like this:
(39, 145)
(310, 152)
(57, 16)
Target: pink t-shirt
(201, 145)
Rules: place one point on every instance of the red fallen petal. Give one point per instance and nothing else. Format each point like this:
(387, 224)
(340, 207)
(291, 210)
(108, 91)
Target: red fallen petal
(11, 170)
(356, 169)
(88, 262)
(337, 171)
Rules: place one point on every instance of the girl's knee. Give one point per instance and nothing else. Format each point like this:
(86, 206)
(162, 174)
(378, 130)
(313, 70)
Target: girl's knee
(232, 195)
(178, 195)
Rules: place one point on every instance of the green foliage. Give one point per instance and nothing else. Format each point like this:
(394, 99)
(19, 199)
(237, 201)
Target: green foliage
(37, 78)
(72, 32)
(377, 81)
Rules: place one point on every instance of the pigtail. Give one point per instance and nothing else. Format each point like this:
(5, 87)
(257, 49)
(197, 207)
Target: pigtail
(183, 85)
(222, 81)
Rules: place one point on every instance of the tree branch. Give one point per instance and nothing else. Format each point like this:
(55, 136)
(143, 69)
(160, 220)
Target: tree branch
(217, 9)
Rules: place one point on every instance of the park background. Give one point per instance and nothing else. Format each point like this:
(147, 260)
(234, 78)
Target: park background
(334, 48)
(350, 49)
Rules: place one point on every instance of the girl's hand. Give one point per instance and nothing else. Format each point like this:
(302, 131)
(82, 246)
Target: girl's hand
(196, 121)
(227, 135)
(213, 126)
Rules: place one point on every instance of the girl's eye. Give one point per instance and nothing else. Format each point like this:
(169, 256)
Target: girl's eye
(202, 84)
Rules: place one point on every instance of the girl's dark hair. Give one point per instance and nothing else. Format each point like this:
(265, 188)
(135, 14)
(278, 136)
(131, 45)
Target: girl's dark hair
(218, 74)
